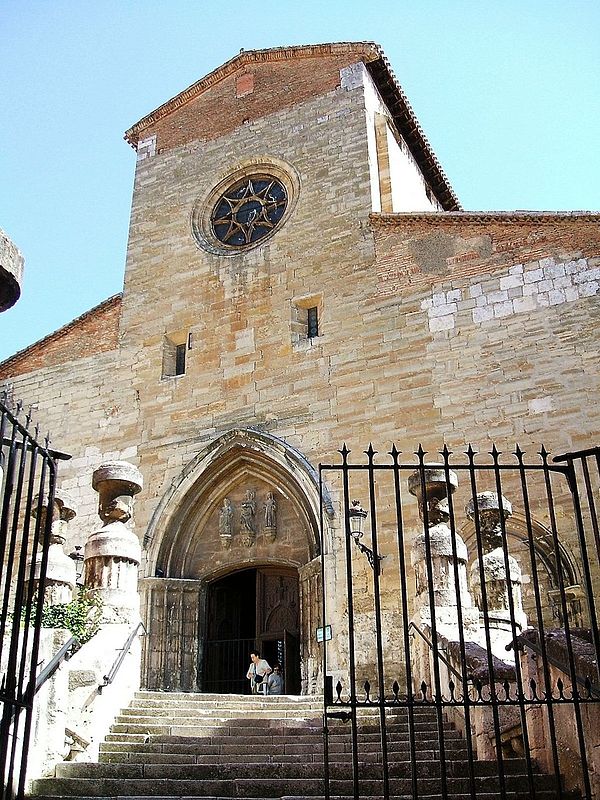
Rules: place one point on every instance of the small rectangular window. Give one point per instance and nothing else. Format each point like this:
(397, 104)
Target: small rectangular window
(307, 320)
(174, 353)
(313, 322)
(180, 359)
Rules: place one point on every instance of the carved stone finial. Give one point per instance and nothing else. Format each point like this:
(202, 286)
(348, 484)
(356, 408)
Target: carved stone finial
(490, 518)
(116, 483)
(437, 489)
(438, 554)
(492, 512)
(112, 553)
(60, 571)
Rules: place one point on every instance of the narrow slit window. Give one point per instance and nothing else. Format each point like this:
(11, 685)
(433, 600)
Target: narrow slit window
(180, 359)
(307, 320)
(174, 354)
(313, 322)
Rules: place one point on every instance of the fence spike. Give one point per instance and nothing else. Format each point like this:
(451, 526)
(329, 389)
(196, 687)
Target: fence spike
(394, 452)
(519, 453)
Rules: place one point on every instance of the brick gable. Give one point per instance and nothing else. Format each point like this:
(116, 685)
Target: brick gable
(96, 331)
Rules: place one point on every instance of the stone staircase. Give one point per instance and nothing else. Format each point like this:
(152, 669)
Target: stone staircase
(228, 746)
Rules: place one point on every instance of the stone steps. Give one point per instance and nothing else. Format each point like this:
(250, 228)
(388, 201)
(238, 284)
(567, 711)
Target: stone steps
(255, 787)
(199, 771)
(212, 746)
(522, 794)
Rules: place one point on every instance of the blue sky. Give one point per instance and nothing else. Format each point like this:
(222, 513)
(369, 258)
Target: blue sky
(506, 91)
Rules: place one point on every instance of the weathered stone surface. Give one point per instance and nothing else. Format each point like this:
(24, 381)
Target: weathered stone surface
(112, 553)
(11, 272)
(496, 342)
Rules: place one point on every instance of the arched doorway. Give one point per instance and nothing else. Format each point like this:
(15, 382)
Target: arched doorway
(251, 609)
(240, 520)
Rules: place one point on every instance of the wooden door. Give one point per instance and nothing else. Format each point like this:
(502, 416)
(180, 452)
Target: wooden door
(278, 621)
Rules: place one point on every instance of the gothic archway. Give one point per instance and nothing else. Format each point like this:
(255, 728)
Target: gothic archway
(246, 502)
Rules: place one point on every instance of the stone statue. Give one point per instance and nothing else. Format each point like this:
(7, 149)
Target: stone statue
(226, 517)
(226, 523)
(271, 517)
(247, 522)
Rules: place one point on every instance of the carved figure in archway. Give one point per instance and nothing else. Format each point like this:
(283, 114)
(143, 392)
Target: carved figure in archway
(271, 517)
(226, 523)
(247, 521)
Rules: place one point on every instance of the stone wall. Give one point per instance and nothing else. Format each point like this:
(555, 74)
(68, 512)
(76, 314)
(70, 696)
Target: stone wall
(434, 328)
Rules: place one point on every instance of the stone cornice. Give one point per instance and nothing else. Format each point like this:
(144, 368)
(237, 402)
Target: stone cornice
(103, 306)
(451, 218)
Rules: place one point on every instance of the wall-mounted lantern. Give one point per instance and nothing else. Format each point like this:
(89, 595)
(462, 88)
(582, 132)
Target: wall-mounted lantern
(357, 516)
(77, 556)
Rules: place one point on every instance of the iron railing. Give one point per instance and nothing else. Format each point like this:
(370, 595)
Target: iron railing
(64, 654)
(482, 555)
(27, 483)
(112, 672)
(226, 658)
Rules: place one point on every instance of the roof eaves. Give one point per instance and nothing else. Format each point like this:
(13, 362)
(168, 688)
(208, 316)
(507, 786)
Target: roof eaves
(410, 129)
(483, 217)
(115, 299)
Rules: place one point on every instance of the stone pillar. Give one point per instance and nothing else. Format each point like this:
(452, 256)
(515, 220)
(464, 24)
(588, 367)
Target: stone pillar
(445, 592)
(60, 572)
(112, 553)
(497, 583)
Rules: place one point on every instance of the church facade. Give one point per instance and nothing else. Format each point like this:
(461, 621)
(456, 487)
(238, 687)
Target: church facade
(300, 275)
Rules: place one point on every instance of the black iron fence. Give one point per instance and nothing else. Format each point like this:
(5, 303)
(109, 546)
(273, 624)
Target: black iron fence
(463, 594)
(226, 665)
(27, 485)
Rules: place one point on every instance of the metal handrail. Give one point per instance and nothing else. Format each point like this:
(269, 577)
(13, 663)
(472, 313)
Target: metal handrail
(587, 683)
(109, 678)
(62, 655)
(439, 655)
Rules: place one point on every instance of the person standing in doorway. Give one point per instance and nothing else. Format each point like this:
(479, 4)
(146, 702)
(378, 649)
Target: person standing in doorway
(257, 672)
(275, 680)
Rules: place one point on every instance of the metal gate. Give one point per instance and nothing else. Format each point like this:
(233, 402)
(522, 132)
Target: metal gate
(462, 650)
(27, 483)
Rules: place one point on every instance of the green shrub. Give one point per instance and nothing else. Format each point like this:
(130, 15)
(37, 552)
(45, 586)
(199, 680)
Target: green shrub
(81, 616)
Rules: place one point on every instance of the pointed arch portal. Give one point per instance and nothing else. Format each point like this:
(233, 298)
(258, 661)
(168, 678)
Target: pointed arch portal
(232, 560)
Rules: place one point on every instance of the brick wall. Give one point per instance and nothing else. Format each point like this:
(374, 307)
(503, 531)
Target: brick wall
(265, 88)
(93, 332)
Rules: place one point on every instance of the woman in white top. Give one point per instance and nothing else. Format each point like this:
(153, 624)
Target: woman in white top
(259, 668)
